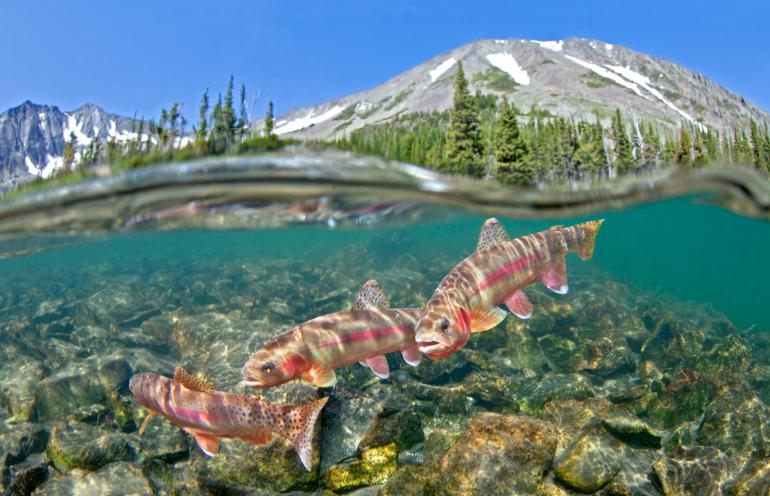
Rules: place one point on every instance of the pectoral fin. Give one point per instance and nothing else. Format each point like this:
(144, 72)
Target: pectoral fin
(555, 278)
(412, 355)
(320, 376)
(379, 365)
(484, 320)
(207, 443)
(519, 305)
(258, 437)
(146, 422)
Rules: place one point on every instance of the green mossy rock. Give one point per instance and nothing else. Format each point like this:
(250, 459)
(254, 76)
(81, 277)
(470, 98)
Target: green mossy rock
(404, 428)
(274, 467)
(684, 399)
(538, 392)
(737, 423)
(590, 462)
(77, 445)
(754, 480)
(409, 480)
(375, 467)
(497, 454)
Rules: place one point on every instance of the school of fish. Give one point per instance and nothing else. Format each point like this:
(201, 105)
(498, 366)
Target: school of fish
(466, 301)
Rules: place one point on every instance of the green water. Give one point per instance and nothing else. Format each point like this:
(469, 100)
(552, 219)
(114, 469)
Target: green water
(679, 248)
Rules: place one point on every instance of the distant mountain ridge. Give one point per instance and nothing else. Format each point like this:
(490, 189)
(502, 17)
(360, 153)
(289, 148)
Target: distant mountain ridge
(578, 78)
(33, 136)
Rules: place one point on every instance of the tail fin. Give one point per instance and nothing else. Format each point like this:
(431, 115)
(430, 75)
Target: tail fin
(300, 428)
(588, 238)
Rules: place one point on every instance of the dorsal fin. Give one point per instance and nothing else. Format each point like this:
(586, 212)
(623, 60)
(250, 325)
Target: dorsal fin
(190, 381)
(492, 232)
(372, 297)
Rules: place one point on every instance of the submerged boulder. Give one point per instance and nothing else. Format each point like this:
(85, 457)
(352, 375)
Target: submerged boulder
(116, 479)
(697, 471)
(75, 445)
(19, 379)
(375, 466)
(590, 462)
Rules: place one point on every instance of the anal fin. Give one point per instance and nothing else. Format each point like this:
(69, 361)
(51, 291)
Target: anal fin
(412, 355)
(519, 305)
(555, 277)
(320, 376)
(207, 443)
(484, 320)
(379, 365)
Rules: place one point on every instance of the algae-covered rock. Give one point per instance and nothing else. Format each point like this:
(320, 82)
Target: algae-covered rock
(20, 442)
(117, 479)
(19, 379)
(538, 392)
(404, 428)
(737, 423)
(497, 454)
(77, 445)
(164, 441)
(682, 400)
(80, 384)
(632, 430)
(375, 467)
(697, 471)
(273, 467)
(754, 480)
(408, 480)
(23, 478)
(590, 462)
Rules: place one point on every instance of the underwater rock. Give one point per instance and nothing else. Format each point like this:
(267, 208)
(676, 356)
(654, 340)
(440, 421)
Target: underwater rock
(163, 441)
(590, 462)
(754, 480)
(117, 304)
(19, 379)
(567, 355)
(273, 467)
(80, 384)
(375, 466)
(684, 399)
(737, 423)
(20, 442)
(347, 417)
(632, 431)
(23, 478)
(408, 480)
(404, 428)
(77, 445)
(571, 417)
(538, 392)
(696, 471)
(116, 479)
(497, 454)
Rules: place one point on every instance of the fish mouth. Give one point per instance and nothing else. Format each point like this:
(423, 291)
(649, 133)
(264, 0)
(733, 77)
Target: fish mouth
(251, 382)
(427, 347)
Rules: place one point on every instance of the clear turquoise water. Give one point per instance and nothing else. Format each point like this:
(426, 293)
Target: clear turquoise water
(679, 248)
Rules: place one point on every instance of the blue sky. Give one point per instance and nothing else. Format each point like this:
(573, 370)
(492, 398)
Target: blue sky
(143, 55)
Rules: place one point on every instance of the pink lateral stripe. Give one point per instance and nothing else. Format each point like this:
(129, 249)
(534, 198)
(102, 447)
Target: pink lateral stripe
(368, 335)
(506, 270)
(190, 414)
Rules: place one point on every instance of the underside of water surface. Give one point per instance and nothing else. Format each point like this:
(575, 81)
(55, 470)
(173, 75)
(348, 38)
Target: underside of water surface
(649, 377)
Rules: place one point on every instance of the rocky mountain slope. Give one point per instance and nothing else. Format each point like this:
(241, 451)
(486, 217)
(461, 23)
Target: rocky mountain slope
(576, 77)
(32, 137)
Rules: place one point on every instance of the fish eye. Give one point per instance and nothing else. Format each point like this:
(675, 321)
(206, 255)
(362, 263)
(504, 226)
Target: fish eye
(268, 368)
(444, 326)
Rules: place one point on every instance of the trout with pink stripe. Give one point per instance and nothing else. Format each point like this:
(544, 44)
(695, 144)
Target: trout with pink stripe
(209, 415)
(311, 351)
(467, 299)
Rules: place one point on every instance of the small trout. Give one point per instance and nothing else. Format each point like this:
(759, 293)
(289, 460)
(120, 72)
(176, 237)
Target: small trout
(209, 415)
(311, 351)
(467, 299)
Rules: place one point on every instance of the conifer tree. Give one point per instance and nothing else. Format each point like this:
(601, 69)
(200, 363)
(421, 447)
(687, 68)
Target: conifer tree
(463, 146)
(684, 149)
(624, 159)
(69, 151)
(510, 149)
(228, 112)
(269, 123)
(243, 119)
(203, 112)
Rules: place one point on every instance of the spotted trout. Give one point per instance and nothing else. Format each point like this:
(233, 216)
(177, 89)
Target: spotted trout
(311, 351)
(467, 299)
(209, 415)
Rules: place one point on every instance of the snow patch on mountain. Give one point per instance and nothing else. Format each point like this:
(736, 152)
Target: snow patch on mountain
(73, 126)
(285, 127)
(52, 165)
(442, 68)
(506, 63)
(556, 46)
(605, 73)
(645, 83)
